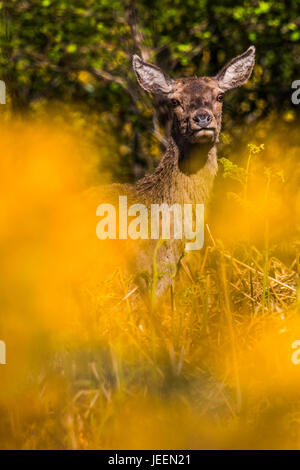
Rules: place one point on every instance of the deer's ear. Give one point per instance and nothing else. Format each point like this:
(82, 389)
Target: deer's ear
(151, 78)
(238, 71)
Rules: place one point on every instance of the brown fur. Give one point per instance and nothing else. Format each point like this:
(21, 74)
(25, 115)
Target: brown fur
(187, 170)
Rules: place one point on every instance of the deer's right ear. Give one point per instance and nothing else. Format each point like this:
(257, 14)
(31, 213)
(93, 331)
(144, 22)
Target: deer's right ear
(151, 78)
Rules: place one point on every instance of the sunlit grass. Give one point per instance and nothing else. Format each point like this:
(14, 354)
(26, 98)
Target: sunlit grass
(89, 366)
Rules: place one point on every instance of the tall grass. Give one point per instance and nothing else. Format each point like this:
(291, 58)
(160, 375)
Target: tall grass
(91, 365)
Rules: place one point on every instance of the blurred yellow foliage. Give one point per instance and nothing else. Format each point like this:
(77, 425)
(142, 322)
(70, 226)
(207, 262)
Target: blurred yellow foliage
(85, 368)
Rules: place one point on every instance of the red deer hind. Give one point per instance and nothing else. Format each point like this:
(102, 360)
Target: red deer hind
(186, 172)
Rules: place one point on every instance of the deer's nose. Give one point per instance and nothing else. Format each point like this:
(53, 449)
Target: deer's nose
(202, 119)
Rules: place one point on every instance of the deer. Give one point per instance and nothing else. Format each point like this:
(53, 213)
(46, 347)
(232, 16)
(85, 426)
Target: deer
(186, 172)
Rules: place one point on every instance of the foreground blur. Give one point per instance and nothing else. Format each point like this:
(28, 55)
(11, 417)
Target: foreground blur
(210, 367)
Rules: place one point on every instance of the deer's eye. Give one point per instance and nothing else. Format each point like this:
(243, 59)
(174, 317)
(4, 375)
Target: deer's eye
(220, 97)
(175, 103)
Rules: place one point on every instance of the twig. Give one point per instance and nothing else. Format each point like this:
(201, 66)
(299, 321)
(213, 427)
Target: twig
(187, 271)
(130, 293)
(244, 293)
(209, 233)
(130, 15)
(249, 267)
(260, 273)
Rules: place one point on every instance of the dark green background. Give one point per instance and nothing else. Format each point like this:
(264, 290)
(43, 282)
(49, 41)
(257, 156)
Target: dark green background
(80, 52)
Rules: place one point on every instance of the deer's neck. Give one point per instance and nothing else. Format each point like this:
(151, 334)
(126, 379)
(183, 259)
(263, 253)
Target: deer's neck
(184, 175)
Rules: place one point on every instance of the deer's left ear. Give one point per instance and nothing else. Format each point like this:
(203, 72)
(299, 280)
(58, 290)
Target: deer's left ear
(151, 78)
(238, 71)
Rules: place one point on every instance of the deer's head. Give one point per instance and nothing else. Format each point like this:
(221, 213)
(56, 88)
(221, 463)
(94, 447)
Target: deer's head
(196, 101)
